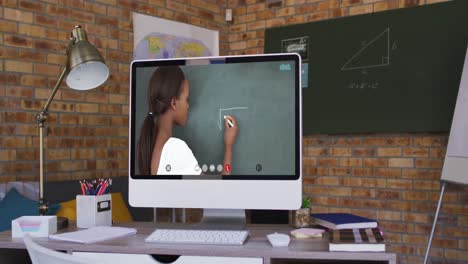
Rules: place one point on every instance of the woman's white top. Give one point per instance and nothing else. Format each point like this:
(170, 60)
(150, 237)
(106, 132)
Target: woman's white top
(177, 159)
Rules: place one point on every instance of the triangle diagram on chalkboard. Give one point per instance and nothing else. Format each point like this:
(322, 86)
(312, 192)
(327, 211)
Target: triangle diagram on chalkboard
(374, 53)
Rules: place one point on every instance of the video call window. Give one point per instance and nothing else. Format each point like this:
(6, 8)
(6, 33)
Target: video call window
(240, 108)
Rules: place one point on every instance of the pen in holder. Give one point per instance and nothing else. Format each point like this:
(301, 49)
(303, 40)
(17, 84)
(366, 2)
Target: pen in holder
(93, 207)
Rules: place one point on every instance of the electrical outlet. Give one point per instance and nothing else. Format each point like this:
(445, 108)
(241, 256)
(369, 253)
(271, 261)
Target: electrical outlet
(229, 15)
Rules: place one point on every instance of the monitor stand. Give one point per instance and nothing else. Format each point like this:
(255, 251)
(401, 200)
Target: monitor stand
(224, 219)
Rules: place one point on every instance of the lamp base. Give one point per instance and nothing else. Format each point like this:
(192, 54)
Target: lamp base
(43, 206)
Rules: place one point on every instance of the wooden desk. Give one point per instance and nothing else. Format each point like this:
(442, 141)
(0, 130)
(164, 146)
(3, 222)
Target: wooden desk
(299, 250)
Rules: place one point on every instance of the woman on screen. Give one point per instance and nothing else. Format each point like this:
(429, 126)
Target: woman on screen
(158, 152)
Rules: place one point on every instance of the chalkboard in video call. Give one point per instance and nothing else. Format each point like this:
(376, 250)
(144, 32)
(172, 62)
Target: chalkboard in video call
(261, 97)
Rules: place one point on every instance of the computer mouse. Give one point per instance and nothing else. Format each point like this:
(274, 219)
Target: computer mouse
(278, 240)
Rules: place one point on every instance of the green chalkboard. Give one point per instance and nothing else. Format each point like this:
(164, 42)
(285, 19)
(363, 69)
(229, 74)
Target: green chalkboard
(262, 98)
(392, 71)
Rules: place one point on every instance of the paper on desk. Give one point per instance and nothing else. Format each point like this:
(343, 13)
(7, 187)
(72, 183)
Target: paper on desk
(94, 234)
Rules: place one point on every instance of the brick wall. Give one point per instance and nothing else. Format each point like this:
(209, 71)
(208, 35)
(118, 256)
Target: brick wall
(87, 131)
(391, 177)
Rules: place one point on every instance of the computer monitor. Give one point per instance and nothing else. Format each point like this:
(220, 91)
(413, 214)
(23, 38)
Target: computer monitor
(183, 114)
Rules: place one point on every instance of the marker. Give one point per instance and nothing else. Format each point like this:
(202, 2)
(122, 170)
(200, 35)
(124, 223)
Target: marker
(229, 121)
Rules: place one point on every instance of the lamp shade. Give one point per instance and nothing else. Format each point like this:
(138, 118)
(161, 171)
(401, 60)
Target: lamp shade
(87, 69)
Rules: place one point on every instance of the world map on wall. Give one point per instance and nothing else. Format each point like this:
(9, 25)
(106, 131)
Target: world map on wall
(163, 46)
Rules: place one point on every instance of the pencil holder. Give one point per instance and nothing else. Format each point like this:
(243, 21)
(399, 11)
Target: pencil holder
(93, 210)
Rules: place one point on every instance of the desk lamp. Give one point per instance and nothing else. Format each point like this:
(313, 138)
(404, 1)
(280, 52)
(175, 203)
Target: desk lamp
(86, 70)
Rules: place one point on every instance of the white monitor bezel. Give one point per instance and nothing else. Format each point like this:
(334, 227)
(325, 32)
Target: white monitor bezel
(282, 194)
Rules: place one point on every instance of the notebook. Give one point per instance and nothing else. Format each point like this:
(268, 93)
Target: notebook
(369, 239)
(94, 234)
(343, 221)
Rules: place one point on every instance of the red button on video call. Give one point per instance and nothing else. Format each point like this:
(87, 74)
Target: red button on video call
(227, 167)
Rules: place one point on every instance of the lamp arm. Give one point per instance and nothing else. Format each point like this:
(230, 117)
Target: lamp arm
(42, 115)
(41, 118)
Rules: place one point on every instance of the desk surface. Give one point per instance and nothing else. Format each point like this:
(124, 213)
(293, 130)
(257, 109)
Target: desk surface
(257, 245)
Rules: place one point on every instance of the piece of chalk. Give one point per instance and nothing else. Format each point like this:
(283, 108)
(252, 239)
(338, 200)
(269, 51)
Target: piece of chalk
(229, 121)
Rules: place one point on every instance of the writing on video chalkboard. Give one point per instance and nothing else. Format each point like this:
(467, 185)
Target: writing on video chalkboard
(223, 111)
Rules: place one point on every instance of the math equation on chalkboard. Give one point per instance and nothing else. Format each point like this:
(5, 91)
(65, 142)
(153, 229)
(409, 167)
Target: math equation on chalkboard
(363, 85)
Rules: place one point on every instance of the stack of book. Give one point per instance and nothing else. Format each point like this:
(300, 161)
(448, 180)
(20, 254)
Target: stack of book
(349, 232)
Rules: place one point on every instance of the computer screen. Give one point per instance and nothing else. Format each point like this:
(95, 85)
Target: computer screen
(216, 132)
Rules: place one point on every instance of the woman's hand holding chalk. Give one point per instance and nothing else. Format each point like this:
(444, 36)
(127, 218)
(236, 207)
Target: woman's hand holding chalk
(229, 121)
(230, 131)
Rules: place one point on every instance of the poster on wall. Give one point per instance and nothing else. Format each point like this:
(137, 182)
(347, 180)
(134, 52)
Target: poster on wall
(157, 38)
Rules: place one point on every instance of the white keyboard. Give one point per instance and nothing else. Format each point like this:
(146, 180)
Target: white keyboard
(190, 236)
